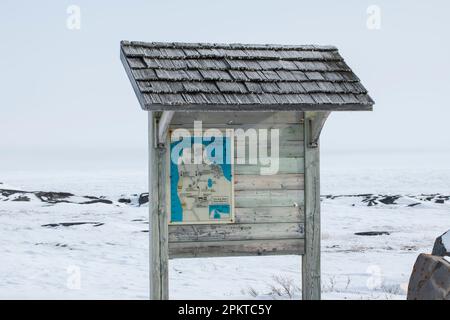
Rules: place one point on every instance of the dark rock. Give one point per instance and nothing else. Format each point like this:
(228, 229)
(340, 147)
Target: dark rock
(413, 204)
(51, 225)
(21, 198)
(430, 279)
(439, 201)
(388, 199)
(370, 199)
(53, 197)
(439, 248)
(8, 192)
(143, 198)
(62, 197)
(372, 233)
(123, 200)
(69, 224)
(98, 200)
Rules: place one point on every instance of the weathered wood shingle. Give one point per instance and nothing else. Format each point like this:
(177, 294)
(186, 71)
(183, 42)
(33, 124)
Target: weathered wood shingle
(220, 77)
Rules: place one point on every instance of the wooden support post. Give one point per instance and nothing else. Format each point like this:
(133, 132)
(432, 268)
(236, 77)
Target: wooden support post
(311, 259)
(163, 126)
(158, 225)
(316, 128)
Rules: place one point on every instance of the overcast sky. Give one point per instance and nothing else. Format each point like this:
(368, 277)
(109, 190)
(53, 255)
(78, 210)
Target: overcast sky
(66, 89)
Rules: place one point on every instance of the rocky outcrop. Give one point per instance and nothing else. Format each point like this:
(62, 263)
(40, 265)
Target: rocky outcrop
(398, 200)
(66, 197)
(442, 245)
(430, 279)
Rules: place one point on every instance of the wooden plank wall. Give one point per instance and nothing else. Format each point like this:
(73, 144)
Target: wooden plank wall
(269, 210)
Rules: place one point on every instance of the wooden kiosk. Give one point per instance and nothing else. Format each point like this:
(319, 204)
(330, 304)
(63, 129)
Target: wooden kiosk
(205, 210)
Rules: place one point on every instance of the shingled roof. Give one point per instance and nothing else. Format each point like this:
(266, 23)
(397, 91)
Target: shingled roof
(221, 77)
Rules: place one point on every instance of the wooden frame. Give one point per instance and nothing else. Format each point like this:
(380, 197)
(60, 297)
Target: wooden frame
(159, 245)
(163, 126)
(159, 218)
(311, 286)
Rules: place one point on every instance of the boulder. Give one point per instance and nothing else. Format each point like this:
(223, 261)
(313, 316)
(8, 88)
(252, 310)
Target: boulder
(143, 198)
(442, 245)
(430, 279)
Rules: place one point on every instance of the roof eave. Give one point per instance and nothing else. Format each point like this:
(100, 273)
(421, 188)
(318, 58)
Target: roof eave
(257, 107)
(133, 82)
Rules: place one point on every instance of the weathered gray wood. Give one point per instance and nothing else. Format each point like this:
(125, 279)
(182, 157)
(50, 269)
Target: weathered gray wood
(269, 210)
(235, 231)
(316, 127)
(134, 85)
(163, 222)
(269, 214)
(163, 125)
(219, 119)
(156, 269)
(288, 132)
(285, 165)
(268, 198)
(290, 142)
(305, 90)
(286, 149)
(311, 258)
(236, 248)
(272, 182)
(220, 108)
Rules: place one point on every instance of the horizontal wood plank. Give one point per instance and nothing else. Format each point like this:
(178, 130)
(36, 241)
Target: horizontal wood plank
(269, 214)
(236, 248)
(236, 118)
(273, 182)
(286, 149)
(235, 231)
(285, 165)
(268, 198)
(286, 132)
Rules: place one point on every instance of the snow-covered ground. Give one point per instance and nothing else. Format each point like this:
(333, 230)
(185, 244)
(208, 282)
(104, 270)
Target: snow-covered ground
(44, 255)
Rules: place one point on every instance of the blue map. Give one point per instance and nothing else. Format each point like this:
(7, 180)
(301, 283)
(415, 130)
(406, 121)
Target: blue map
(201, 192)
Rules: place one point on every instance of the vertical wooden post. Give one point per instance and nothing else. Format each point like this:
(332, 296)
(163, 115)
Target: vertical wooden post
(158, 226)
(163, 222)
(311, 259)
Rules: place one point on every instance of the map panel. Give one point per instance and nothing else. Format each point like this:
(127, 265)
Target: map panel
(201, 192)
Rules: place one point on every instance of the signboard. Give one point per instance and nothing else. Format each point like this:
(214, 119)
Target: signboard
(201, 179)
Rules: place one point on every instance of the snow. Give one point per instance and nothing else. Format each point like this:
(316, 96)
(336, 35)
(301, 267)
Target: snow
(107, 257)
(446, 239)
